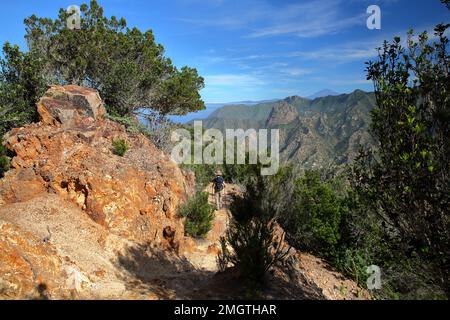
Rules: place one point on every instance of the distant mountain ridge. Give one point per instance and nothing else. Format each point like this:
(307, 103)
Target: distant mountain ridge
(323, 93)
(315, 133)
(211, 107)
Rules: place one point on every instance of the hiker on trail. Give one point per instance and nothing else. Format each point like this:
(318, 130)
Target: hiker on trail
(219, 186)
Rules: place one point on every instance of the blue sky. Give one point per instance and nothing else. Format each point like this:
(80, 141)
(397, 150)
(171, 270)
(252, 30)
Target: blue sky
(255, 50)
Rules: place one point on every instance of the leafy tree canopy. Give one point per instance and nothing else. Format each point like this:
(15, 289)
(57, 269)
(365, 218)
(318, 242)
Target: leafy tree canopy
(407, 179)
(124, 64)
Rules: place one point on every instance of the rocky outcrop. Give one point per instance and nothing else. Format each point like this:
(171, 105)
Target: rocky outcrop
(69, 105)
(67, 159)
(282, 113)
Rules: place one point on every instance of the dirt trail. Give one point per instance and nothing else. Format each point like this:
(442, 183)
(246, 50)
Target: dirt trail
(117, 269)
(303, 276)
(203, 255)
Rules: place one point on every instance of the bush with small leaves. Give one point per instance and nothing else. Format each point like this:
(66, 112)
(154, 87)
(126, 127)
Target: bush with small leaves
(4, 160)
(251, 235)
(120, 147)
(199, 215)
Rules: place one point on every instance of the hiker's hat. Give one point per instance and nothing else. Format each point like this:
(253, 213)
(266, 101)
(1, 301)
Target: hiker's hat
(218, 172)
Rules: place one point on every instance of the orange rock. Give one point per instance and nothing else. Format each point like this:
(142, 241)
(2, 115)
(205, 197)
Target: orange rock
(111, 189)
(213, 249)
(188, 245)
(67, 105)
(28, 268)
(100, 273)
(70, 154)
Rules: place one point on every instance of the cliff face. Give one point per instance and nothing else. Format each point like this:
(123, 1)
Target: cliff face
(282, 113)
(68, 197)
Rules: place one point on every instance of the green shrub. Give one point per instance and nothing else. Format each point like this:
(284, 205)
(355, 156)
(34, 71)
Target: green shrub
(4, 165)
(127, 66)
(253, 252)
(406, 179)
(204, 173)
(353, 263)
(21, 85)
(251, 235)
(313, 215)
(120, 147)
(233, 173)
(131, 124)
(330, 219)
(4, 160)
(199, 215)
(223, 255)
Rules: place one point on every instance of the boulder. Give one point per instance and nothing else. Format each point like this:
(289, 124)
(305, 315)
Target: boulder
(67, 105)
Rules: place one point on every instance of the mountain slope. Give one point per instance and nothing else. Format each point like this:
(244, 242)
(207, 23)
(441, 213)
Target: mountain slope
(326, 130)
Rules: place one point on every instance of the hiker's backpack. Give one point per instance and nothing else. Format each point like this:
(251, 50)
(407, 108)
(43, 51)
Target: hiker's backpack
(218, 183)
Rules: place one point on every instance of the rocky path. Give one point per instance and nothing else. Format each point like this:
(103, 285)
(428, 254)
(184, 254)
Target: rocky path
(304, 276)
(139, 271)
(308, 278)
(194, 274)
(204, 253)
(156, 274)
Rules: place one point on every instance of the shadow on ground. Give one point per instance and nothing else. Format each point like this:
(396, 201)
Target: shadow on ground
(162, 274)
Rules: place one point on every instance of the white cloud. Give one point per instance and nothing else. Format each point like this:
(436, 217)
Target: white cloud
(310, 19)
(342, 81)
(338, 54)
(310, 29)
(306, 19)
(229, 17)
(211, 58)
(357, 50)
(214, 3)
(295, 72)
(234, 80)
